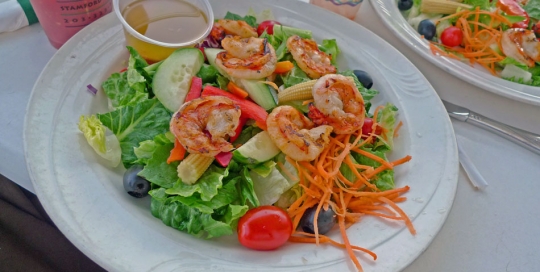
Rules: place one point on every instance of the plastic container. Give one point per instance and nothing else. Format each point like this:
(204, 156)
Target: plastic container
(155, 28)
(61, 19)
(347, 8)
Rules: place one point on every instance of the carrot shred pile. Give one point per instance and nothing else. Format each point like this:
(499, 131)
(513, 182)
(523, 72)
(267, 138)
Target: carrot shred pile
(477, 38)
(324, 186)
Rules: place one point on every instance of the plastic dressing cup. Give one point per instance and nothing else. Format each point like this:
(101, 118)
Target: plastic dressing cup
(155, 28)
(61, 19)
(347, 8)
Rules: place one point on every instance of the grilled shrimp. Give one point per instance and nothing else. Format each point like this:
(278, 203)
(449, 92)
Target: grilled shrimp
(309, 58)
(202, 125)
(247, 58)
(522, 45)
(338, 103)
(295, 134)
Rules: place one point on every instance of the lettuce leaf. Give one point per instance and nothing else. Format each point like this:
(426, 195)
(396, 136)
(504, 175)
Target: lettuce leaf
(158, 171)
(533, 9)
(207, 186)
(251, 20)
(130, 87)
(247, 194)
(146, 148)
(295, 76)
(270, 188)
(117, 88)
(387, 118)
(213, 218)
(208, 74)
(107, 147)
(331, 48)
(136, 123)
(384, 180)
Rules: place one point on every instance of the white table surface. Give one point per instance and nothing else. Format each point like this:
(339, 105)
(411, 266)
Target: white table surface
(496, 229)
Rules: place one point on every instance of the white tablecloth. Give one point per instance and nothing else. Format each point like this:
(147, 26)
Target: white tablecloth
(496, 229)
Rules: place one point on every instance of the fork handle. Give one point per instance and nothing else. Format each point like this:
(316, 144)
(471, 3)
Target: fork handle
(526, 139)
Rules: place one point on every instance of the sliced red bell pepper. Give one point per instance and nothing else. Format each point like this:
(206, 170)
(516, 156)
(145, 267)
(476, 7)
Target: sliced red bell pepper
(195, 89)
(238, 129)
(512, 7)
(249, 109)
(177, 153)
(224, 158)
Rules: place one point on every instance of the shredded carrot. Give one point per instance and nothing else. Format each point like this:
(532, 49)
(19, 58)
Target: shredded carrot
(307, 102)
(234, 89)
(324, 186)
(283, 67)
(477, 38)
(177, 153)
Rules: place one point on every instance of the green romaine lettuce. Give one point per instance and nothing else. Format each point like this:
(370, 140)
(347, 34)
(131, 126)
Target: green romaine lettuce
(384, 180)
(387, 118)
(331, 48)
(202, 218)
(247, 193)
(107, 147)
(249, 19)
(269, 189)
(117, 88)
(146, 148)
(136, 123)
(207, 185)
(533, 9)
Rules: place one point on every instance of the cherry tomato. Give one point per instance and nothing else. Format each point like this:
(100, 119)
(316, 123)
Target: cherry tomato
(367, 127)
(452, 36)
(268, 26)
(264, 228)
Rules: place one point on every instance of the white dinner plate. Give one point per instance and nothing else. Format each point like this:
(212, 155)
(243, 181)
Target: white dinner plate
(477, 75)
(87, 202)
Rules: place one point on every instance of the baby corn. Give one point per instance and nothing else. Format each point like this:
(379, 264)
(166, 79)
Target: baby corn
(192, 167)
(301, 91)
(442, 6)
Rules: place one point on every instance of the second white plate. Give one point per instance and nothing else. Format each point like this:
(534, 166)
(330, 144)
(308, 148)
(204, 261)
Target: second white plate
(391, 16)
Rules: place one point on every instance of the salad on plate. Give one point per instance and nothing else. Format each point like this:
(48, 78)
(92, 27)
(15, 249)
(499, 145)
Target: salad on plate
(255, 132)
(498, 35)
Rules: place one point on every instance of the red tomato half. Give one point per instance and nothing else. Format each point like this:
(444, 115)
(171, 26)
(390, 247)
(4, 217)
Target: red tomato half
(268, 26)
(264, 228)
(452, 36)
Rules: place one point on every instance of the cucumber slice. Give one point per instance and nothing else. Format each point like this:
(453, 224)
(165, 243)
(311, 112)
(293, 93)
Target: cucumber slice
(211, 54)
(261, 93)
(264, 95)
(256, 150)
(173, 77)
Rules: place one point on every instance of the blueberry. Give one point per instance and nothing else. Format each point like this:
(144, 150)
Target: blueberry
(134, 185)
(405, 4)
(364, 78)
(325, 221)
(427, 28)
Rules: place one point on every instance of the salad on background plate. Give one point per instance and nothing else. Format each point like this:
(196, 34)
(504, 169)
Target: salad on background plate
(499, 35)
(256, 132)
(472, 48)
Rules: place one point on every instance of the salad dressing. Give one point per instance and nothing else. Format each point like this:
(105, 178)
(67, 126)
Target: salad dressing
(167, 21)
